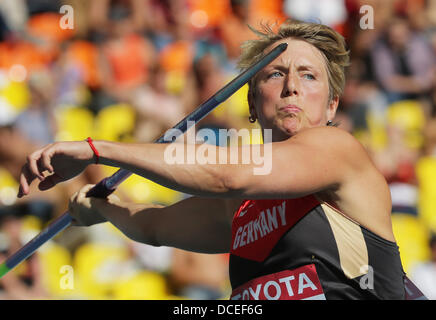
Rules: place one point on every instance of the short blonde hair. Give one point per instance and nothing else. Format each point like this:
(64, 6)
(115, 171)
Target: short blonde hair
(329, 42)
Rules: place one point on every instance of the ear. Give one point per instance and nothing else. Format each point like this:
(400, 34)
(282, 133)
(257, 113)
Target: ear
(251, 99)
(332, 107)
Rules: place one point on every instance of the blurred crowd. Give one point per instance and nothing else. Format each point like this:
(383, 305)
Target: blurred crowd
(128, 70)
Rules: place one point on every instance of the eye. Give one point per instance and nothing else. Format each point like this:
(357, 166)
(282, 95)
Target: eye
(275, 74)
(308, 76)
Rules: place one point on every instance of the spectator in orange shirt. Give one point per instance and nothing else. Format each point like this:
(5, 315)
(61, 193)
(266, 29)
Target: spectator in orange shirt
(126, 55)
(234, 29)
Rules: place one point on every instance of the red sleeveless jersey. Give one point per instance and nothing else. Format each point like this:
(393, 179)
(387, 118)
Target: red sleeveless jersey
(306, 249)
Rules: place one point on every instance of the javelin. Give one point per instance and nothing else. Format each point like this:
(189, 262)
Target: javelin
(109, 184)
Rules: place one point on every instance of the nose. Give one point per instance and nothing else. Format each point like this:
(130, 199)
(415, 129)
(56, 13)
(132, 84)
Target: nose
(290, 86)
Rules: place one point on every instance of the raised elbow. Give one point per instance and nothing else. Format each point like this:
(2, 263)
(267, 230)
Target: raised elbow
(232, 183)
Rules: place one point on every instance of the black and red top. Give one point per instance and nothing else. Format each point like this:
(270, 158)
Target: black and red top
(307, 249)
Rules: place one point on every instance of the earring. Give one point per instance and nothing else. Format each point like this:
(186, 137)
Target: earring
(329, 123)
(251, 119)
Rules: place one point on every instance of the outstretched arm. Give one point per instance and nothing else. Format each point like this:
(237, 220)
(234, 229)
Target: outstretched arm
(193, 224)
(304, 164)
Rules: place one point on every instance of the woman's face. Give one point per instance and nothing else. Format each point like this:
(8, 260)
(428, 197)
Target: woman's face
(292, 92)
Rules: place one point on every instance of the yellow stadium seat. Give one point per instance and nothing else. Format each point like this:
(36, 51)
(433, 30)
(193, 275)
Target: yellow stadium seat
(141, 190)
(237, 103)
(142, 286)
(115, 123)
(97, 268)
(426, 174)
(8, 188)
(16, 94)
(256, 137)
(378, 138)
(412, 237)
(55, 262)
(363, 136)
(6, 179)
(74, 123)
(175, 82)
(31, 223)
(235, 106)
(409, 116)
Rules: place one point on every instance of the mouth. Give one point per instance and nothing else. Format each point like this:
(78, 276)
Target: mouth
(291, 108)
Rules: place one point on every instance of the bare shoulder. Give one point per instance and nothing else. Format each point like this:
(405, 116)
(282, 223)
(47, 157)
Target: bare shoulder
(334, 141)
(346, 149)
(331, 136)
(364, 195)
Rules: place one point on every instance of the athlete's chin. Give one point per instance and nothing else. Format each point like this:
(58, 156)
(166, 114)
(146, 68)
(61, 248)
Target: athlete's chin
(291, 125)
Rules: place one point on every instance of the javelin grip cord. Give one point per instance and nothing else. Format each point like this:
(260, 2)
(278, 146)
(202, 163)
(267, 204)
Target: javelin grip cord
(108, 185)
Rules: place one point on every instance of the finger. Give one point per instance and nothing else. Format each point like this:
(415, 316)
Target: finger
(74, 197)
(113, 198)
(82, 193)
(41, 167)
(23, 188)
(87, 188)
(26, 178)
(33, 166)
(77, 200)
(50, 182)
(45, 162)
